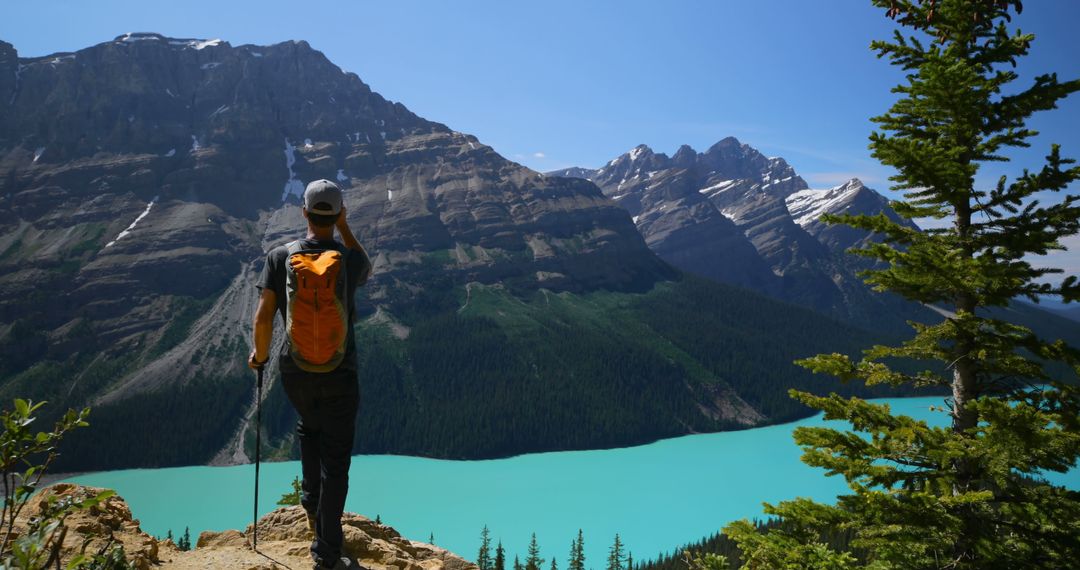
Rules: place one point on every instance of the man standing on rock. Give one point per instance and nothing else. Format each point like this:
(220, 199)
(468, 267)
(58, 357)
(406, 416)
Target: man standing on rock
(311, 282)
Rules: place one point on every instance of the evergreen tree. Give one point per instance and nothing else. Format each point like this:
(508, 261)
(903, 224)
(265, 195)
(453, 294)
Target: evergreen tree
(517, 563)
(630, 561)
(533, 561)
(970, 495)
(169, 536)
(615, 555)
(500, 557)
(293, 496)
(185, 541)
(577, 552)
(483, 559)
(554, 566)
(378, 519)
(431, 538)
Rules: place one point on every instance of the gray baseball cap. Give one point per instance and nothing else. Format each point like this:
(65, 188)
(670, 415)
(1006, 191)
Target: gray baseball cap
(322, 197)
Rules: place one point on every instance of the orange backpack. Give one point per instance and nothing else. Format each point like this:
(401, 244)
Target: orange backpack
(316, 315)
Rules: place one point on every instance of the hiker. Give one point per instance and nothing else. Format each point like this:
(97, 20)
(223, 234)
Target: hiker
(311, 283)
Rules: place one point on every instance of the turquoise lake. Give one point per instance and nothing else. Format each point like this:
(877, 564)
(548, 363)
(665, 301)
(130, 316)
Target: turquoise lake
(656, 496)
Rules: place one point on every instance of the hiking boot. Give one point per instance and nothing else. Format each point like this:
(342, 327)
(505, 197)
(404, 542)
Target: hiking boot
(343, 563)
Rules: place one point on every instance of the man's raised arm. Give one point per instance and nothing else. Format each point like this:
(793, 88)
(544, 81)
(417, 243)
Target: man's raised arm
(347, 236)
(263, 328)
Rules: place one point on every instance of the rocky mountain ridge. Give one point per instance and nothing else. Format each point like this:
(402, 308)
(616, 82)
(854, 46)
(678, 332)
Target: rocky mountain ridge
(736, 216)
(141, 180)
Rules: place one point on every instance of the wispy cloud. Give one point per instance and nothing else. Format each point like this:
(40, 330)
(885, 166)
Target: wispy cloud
(539, 155)
(793, 151)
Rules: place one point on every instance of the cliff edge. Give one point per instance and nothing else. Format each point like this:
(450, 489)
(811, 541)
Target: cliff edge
(283, 540)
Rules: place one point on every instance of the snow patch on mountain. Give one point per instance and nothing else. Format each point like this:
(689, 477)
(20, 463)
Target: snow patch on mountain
(18, 78)
(133, 224)
(807, 206)
(135, 37)
(196, 44)
(132, 37)
(37, 153)
(731, 214)
(61, 59)
(718, 187)
(292, 185)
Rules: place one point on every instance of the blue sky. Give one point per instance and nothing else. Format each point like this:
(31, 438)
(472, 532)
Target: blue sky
(575, 83)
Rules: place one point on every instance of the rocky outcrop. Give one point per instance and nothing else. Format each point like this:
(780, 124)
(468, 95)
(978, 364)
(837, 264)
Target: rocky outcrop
(99, 528)
(283, 540)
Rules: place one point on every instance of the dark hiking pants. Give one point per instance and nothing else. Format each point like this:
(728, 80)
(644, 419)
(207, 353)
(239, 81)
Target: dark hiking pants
(327, 405)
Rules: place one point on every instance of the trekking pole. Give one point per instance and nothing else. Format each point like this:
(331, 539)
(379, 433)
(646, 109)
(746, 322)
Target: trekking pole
(258, 449)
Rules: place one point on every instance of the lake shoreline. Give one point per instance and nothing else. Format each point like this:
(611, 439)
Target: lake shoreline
(59, 477)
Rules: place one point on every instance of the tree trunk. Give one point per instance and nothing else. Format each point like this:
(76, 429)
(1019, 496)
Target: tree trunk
(964, 390)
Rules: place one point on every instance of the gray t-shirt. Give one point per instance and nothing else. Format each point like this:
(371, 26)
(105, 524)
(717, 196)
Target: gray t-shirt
(273, 277)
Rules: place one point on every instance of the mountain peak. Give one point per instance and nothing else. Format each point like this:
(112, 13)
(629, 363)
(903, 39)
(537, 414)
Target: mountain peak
(639, 151)
(807, 206)
(724, 143)
(685, 156)
(852, 184)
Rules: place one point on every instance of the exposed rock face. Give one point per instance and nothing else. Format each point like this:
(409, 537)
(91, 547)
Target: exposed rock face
(737, 216)
(143, 178)
(284, 541)
(188, 140)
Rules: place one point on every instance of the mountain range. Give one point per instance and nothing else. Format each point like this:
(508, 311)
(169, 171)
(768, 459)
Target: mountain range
(733, 215)
(142, 180)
